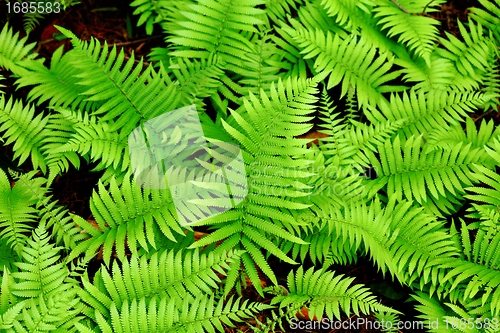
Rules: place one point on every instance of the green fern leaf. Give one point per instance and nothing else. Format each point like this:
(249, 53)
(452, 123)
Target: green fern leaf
(170, 274)
(468, 56)
(14, 52)
(39, 274)
(59, 85)
(21, 127)
(16, 213)
(407, 171)
(218, 27)
(325, 293)
(348, 61)
(125, 95)
(419, 33)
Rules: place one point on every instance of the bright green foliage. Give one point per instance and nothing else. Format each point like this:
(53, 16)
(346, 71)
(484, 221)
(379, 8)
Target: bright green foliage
(20, 126)
(38, 275)
(50, 304)
(471, 55)
(96, 139)
(219, 27)
(324, 293)
(127, 99)
(396, 152)
(423, 111)
(272, 173)
(418, 32)
(489, 17)
(277, 10)
(59, 84)
(416, 174)
(350, 62)
(16, 213)
(198, 79)
(151, 12)
(132, 212)
(172, 287)
(13, 52)
(201, 315)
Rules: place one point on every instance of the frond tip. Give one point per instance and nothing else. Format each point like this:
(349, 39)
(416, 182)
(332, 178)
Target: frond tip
(324, 293)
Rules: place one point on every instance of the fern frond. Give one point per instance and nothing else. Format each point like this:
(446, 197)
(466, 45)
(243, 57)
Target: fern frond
(480, 272)
(151, 12)
(217, 27)
(419, 33)
(430, 307)
(350, 14)
(95, 138)
(484, 194)
(438, 74)
(197, 79)
(449, 136)
(264, 65)
(170, 315)
(325, 293)
(57, 313)
(424, 112)
(130, 212)
(348, 61)
(59, 85)
(278, 10)
(272, 187)
(489, 17)
(494, 153)
(21, 127)
(407, 171)
(126, 96)
(363, 137)
(491, 79)
(10, 307)
(345, 230)
(14, 52)
(60, 131)
(335, 130)
(418, 243)
(7, 256)
(30, 20)
(472, 54)
(16, 213)
(174, 275)
(39, 273)
(63, 227)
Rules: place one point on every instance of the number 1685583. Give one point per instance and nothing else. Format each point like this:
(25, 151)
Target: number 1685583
(33, 7)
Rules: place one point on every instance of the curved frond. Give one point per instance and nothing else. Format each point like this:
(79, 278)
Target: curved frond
(39, 273)
(126, 96)
(58, 84)
(167, 274)
(219, 27)
(349, 61)
(14, 52)
(20, 126)
(323, 292)
(16, 213)
(419, 33)
(408, 171)
(423, 112)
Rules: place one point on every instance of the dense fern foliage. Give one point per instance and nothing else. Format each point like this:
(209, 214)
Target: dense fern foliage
(402, 173)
